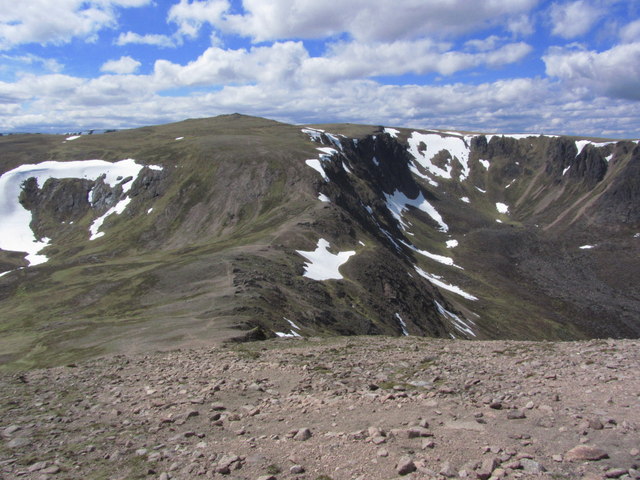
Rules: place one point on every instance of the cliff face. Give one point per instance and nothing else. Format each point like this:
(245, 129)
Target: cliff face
(210, 228)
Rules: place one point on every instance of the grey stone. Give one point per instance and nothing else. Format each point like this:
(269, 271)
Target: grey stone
(585, 452)
(302, 435)
(531, 466)
(405, 465)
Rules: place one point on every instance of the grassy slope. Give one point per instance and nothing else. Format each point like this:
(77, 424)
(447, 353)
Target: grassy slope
(218, 250)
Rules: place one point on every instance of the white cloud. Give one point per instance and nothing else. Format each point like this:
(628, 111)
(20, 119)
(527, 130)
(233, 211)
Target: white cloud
(364, 20)
(489, 43)
(38, 21)
(571, 20)
(614, 72)
(116, 101)
(148, 39)
(216, 66)
(358, 60)
(123, 65)
(521, 25)
(49, 64)
(631, 32)
(190, 16)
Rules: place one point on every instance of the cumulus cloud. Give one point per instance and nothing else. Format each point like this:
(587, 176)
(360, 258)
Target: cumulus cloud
(123, 65)
(157, 40)
(34, 22)
(364, 20)
(356, 60)
(614, 72)
(520, 25)
(190, 16)
(49, 64)
(518, 105)
(631, 32)
(573, 19)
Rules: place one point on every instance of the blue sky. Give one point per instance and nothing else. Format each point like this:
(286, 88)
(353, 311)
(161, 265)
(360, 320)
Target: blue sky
(568, 67)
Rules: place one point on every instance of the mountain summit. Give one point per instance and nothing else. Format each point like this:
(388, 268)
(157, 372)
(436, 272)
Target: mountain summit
(241, 227)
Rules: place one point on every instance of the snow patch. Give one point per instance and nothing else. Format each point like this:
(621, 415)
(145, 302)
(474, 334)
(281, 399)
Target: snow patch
(324, 265)
(346, 169)
(118, 208)
(398, 202)
(287, 335)
(445, 286)
(291, 323)
(587, 247)
(465, 199)
(72, 137)
(150, 210)
(179, 138)
(457, 322)
(403, 325)
(502, 208)
(317, 166)
(323, 198)
(565, 170)
(314, 134)
(15, 232)
(485, 163)
(438, 258)
(480, 190)
(375, 161)
(452, 243)
(392, 132)
(580, 144)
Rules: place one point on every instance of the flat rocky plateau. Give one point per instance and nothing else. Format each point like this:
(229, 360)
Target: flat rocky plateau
(340, 408)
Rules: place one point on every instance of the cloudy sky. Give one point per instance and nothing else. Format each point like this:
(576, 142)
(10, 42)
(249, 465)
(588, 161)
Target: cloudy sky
(488, 65)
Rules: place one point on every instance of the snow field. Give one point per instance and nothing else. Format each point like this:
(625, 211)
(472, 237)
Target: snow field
(435, 143)
(15, 230)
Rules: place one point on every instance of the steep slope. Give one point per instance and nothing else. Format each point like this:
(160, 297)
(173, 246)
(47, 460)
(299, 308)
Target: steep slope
(183, 234)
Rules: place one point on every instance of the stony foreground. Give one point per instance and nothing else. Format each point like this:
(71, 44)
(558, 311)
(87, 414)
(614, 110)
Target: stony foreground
(350, 408)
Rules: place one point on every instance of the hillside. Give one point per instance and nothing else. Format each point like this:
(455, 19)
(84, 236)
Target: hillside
(240, 227)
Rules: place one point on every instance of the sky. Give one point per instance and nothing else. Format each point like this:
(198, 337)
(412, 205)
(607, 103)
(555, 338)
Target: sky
(510, 66)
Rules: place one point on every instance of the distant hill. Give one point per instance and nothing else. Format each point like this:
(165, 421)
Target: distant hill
(240, 227)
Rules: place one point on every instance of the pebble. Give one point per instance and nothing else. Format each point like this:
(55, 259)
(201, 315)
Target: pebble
(383, 452)
(615, 472)
(516, 415)
(302, 434)
(447, 470)
(585, 452)
(487, 468)
(531, 466)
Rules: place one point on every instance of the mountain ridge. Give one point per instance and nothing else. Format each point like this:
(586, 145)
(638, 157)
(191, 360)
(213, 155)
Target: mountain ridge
(210, 229)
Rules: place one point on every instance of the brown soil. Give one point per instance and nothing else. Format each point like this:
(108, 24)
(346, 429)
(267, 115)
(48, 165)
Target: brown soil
(375, 408)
